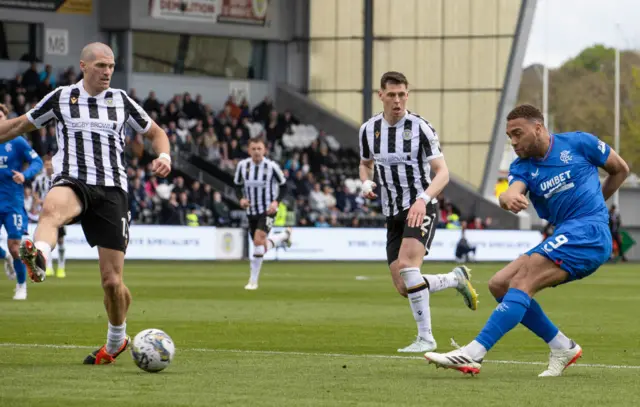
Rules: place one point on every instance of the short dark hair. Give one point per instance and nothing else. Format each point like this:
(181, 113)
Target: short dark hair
(258, 139)
(528, 112)
(394, 78)
(4, 110)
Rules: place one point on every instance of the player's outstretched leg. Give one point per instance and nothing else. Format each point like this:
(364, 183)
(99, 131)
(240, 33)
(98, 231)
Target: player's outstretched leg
(255, 267)
(20, 270)
(460, 279)
(8, 264)
(49, 271)
(563, 351)
(60, 273)
(535, 274)
(117, 299)
(262, 244)
(61, 205)
(411, 284)
(282, 239)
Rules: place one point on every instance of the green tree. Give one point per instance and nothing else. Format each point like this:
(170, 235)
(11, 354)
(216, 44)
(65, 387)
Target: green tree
(581, 97)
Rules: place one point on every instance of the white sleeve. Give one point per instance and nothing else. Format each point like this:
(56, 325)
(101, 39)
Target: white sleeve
(45, 110)
(138, 119)
(277, 173)
(429, 141)
(365, 151)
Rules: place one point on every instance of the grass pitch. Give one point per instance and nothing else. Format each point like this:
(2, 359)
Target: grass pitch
(314, 334)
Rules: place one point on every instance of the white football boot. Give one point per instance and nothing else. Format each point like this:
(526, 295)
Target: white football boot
(420, 345)
(8, 267)
(251, 286)
(560, 359)
(287, 242)
(456, 359)
(20, 292)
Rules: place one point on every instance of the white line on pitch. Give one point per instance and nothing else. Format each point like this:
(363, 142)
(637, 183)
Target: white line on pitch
(332, 355)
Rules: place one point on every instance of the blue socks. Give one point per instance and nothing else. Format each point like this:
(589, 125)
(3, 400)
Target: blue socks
(21, 271)
(537, 321)
(506, 316)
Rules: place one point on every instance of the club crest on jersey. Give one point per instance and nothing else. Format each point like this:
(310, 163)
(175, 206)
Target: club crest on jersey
(377, 134)
(8, 148)
(109, 102)
(565, 156)
(407, 134)
(74, 100)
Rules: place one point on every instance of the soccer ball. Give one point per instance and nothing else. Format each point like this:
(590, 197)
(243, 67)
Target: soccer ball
(152, 350)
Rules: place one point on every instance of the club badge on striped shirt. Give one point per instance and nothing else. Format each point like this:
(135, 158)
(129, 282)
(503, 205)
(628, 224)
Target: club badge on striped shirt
(407, 134)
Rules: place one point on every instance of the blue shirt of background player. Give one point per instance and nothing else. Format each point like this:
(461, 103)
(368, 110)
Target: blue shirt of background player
(13, 155)
(564, 185)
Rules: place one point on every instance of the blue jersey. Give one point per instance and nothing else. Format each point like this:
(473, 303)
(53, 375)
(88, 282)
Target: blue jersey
(13, 155)
(564, 185)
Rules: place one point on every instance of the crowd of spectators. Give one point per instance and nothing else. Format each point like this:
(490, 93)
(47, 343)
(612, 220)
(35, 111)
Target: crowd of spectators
(322, 179)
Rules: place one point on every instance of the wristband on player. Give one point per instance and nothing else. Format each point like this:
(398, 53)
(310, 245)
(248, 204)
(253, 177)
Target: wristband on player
(367, 187)
(165, 156)
(426, 198)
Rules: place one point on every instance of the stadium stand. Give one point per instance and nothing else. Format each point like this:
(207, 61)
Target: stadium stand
(322, 176)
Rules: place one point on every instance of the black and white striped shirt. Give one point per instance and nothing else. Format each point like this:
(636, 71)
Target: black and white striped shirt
(261, 183)
(90, 132)
(41, 184)
(401, 154)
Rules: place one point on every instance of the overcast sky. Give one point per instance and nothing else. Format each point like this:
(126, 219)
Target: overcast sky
(572, 25)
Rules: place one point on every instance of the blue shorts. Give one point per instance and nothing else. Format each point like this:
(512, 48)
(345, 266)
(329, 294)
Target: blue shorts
(579, 247)
(15, 223)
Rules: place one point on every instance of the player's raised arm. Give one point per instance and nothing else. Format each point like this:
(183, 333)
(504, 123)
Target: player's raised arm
(10, 129)
(34, 119)
(602, 155)
(142, 123)
(513, 199)
(618, 171)
(31, 157)
(366, 165)
(161, 146)
(239, 182)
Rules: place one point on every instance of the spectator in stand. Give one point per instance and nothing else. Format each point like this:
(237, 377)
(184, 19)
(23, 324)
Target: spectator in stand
(150, 186)
(47, 74)
(293, 163)
(274, 128)
(178, 185)
(170, 214)
(245, 112)
(329, 197)
(220, 210)
(224, 118)
(136, 147)
(476, 224)
(316, 199)
(133, 95)
(31, 79)
(152, 104)
(191, 108)
(322, 222)
(262, 111)
(615, 223)
(195, 196)
(183, 207)
(345, 200)
(289, 120)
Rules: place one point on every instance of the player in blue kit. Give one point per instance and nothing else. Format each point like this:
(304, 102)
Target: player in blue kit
(560, 173)
(13, 155)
